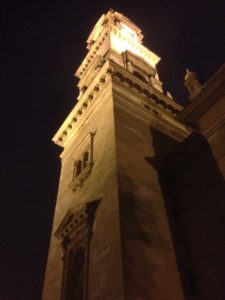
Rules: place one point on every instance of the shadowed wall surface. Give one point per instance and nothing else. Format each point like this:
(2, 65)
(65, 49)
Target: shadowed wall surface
(195, 191)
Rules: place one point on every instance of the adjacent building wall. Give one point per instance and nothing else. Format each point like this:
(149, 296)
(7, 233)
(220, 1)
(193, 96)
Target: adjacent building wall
(194, 186)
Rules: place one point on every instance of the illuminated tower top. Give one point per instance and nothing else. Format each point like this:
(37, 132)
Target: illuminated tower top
(115, 49)
(115, 32)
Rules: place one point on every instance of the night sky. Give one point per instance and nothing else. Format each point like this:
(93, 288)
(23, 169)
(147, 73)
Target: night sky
(42, 46)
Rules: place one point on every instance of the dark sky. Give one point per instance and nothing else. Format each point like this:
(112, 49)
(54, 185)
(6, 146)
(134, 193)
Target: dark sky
(42, 46)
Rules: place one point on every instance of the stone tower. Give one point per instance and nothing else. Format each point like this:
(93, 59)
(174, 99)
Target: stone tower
(111, 238)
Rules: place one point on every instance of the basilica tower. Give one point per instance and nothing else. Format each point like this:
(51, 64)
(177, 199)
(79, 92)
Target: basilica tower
(111, 238)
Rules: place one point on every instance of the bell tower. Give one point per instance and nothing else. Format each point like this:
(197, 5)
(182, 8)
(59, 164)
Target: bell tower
(111, 238)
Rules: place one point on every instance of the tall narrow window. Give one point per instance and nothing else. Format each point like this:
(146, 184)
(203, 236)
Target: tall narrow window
(77, 274)
(84, 163)
(85, 159)
(74, 170)
(75, 283)
(75, 232)
(78, 167)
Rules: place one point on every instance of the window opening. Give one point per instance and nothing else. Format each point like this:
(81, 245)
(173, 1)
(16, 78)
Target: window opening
(85, 159)
(75, 232)
(83, 162)
(75, 283)
(78, 167)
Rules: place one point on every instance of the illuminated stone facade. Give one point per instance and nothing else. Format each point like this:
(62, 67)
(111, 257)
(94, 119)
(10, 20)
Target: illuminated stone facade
(111, 236)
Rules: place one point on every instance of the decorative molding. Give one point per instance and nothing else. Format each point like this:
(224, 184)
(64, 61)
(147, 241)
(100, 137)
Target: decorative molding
(212, 91)
(143, 89)
(72, 223)
(109, 25)
(81, 71)
(75, 218)
(138, 48)
(160, 119)
(95, 32)
(83, 105)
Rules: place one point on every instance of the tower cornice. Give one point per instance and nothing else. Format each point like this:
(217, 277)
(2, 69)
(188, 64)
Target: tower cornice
(139, 86)
(76, 115)
(111, 71)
